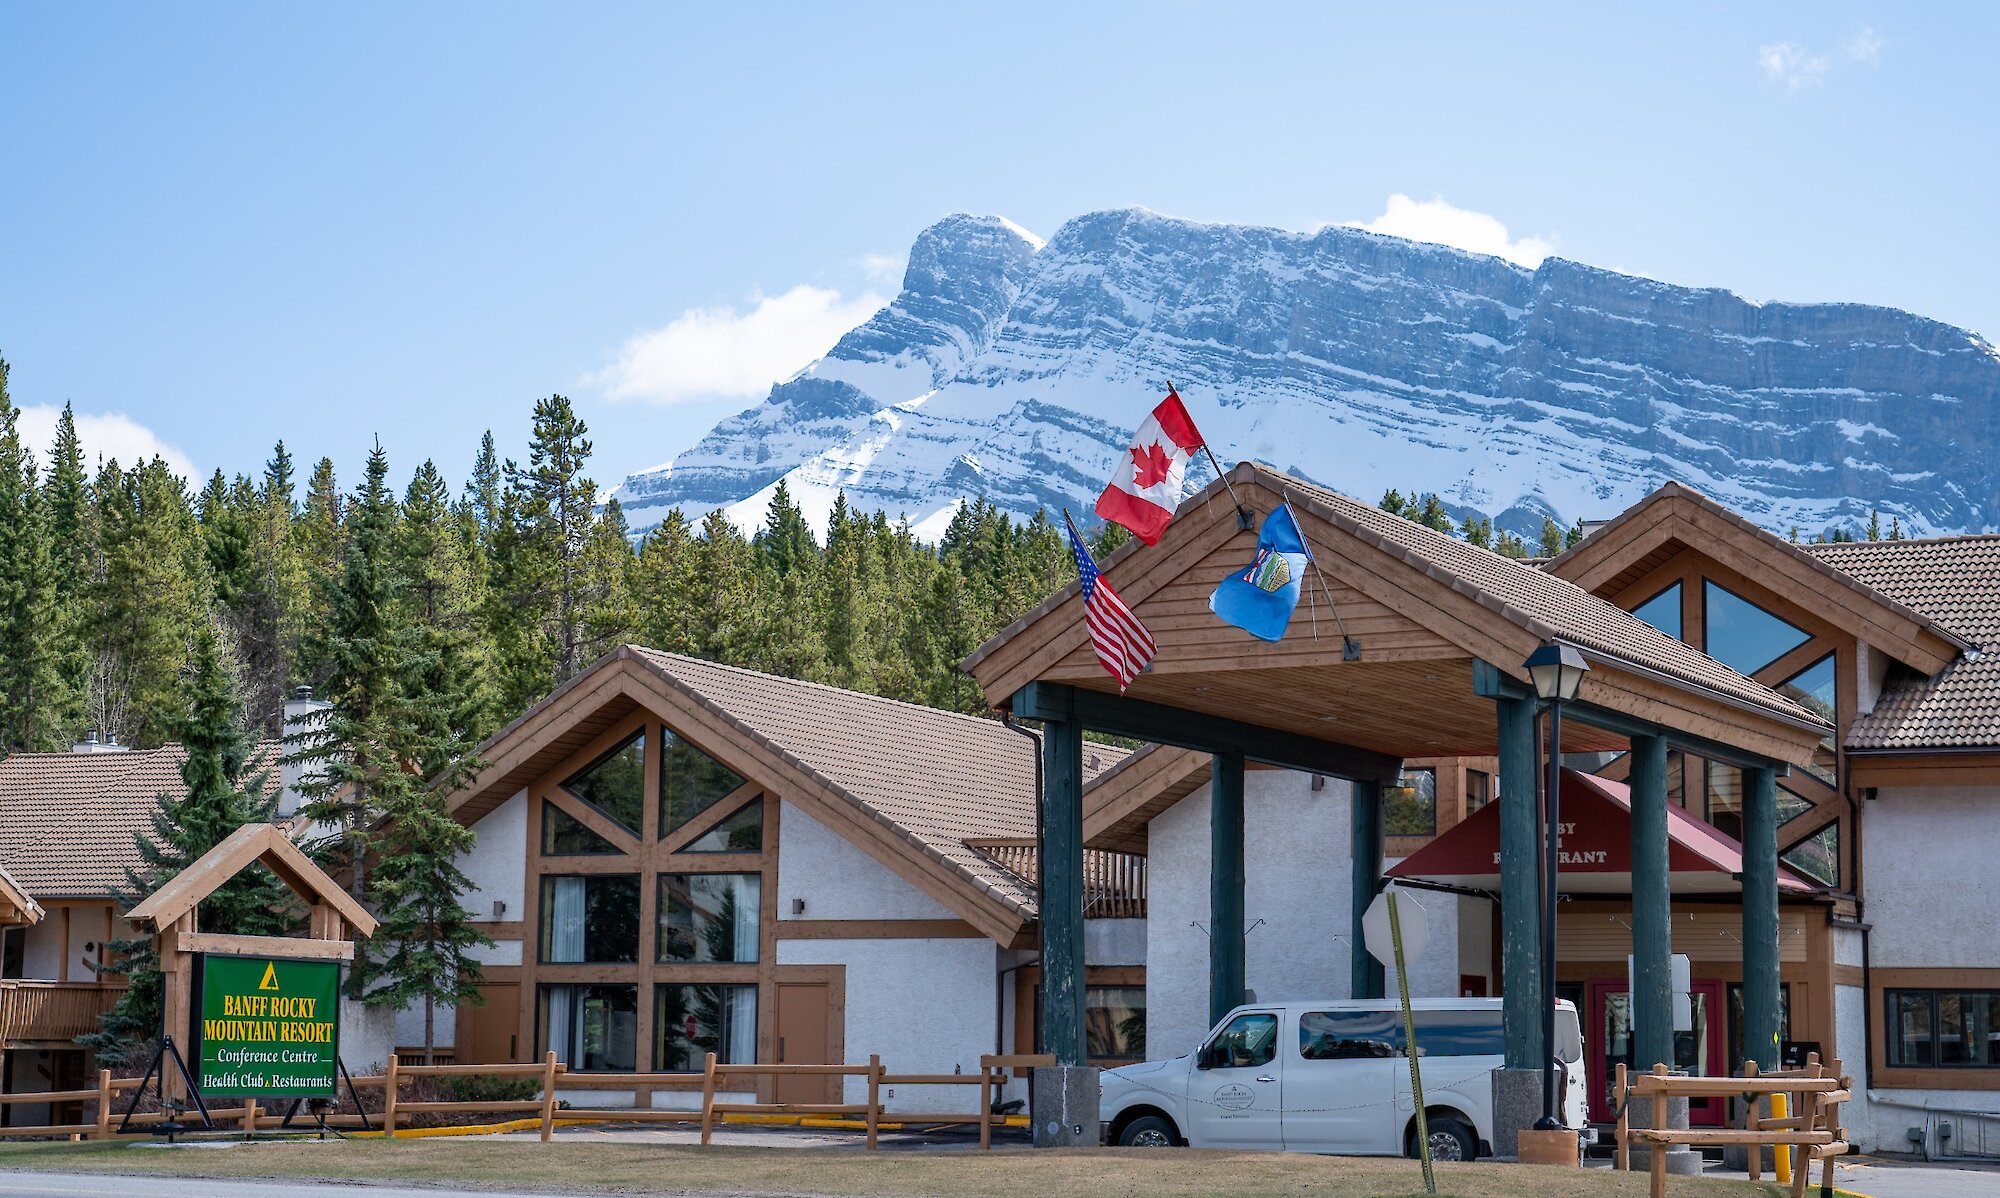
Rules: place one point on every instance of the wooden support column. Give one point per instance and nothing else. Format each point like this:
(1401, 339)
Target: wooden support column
(1520, 885)
(1225, 885)
(1652, 907)
(1760, 917)
(1061, 853)
(1365, 972)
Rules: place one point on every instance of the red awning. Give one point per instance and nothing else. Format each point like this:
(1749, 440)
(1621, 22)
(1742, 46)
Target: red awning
(1596, 848)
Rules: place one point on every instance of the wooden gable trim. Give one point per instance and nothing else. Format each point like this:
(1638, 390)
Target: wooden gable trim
(514, 747)
(20, 907)
(1799, 579)
(248, 844)
(1118, 807)
(785, 775)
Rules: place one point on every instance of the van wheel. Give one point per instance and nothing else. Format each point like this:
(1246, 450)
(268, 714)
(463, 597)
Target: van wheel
(1451, 1140)
(1148, 1131)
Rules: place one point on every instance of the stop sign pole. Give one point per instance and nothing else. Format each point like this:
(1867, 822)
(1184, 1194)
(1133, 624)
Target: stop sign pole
(1388, 946)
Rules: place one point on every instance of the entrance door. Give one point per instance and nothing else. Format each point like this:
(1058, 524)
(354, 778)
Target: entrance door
(1238, 1099)
(1698, 1051)
(490, 1034)
(802, 1040)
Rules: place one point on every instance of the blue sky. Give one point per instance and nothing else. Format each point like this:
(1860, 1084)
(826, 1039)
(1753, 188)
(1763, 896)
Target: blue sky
(225, 224)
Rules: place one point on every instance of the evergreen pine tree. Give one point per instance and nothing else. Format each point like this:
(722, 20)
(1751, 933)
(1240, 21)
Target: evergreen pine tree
(149, 601)
(218, 800)
(1895, 528)
(1552, 538)
(552, 501)
(1874, 525)
(72, 542)
(34, 707)
(663, 587)
(482, 489)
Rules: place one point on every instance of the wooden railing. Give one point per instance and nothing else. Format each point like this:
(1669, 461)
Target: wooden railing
(1114, 884)
(56, 1012)
(548, 1073)
(991, 1076)
(1812, 1128)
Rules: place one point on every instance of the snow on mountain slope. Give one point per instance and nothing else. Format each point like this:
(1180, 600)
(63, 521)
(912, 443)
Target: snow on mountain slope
(1016, 371)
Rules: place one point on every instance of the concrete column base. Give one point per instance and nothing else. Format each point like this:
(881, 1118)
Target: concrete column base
(1549, 1148)
(1682, 1161)
(1517, 1103)
(1063, 1105)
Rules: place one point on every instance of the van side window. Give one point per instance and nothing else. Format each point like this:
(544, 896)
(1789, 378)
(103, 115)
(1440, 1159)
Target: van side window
(1248, 1041)
(1347, 1035)
(1459, 1034)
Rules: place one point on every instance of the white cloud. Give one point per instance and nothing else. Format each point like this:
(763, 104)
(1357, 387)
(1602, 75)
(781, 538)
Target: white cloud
(1864, 47)
(1791, 65)
(104, 435)
(715, 353)
(884, 270)
(1440, 222)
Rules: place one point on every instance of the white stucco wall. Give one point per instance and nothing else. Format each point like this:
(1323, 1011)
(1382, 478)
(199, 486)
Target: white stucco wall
(838, 880)
(42, 950)
(498, 861)
(926, 1006)
(367, 1036)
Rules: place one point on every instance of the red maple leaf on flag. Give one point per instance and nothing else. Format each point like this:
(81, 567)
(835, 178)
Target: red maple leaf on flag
(1149, 465)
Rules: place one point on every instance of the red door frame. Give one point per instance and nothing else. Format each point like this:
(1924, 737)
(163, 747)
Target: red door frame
(1703, 1112)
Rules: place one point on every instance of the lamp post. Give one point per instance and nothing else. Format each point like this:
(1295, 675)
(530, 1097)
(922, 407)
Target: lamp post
(1557, 670)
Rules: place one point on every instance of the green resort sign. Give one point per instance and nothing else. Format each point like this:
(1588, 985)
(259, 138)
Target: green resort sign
(269, 1027)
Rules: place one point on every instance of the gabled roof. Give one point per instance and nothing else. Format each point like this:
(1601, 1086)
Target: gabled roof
(249, 845)
(1542, 604)
(69, 821)
(1954, 581)
(910, 783)
(1676, 516)
(1120, 805)
(17, 906)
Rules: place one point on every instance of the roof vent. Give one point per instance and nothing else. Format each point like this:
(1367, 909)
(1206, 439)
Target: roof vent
(91, 744)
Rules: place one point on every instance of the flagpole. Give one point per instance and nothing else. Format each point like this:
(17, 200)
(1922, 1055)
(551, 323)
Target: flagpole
(1243, 520)
(1350, 649)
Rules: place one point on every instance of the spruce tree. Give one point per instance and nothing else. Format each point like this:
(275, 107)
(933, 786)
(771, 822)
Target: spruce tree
(663, 587)
(550, 502)
(1552, 538)
(219, 798)
(34, 707)
(149, 601)
(72, 549)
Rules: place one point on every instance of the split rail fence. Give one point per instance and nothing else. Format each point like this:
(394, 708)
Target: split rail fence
(1811, 1129)
(553, 1079)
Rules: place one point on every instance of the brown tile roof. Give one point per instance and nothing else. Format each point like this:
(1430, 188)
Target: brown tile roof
(1956, 582)
(1551, 607)
(68, 820)
(939, 779)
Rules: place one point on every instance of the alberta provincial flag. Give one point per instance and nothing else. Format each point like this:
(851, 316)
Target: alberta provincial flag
(1146, 489)
(1260, 600)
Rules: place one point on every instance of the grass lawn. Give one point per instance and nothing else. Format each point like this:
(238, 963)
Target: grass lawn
(641, 1167)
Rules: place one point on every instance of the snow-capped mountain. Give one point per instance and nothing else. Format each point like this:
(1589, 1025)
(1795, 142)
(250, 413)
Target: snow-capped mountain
(1016, 370)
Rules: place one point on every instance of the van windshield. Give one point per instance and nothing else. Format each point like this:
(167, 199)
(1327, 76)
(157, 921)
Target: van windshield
(1569, 1037)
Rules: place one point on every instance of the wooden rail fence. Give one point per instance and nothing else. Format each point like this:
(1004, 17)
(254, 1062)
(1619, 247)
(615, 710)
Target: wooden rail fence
(989, 1078)
(1813, 1127)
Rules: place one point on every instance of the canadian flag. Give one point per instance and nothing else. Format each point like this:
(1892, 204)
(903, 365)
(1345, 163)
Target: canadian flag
(1146, 489)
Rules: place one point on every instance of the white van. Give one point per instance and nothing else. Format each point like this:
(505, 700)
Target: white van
(1332, 1077)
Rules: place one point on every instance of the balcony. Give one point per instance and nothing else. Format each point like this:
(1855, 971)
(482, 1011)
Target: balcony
(51, 1012)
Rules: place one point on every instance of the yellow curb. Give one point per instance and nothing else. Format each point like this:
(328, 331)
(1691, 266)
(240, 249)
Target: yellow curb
(494, 1129)
(477, 1129)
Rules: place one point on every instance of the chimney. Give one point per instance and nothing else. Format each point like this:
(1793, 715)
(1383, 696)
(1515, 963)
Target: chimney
(301, 711)
(91, 744)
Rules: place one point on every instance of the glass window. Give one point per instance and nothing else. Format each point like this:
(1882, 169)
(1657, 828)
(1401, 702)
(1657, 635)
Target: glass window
(1410, 807)
(616, 783)
(1458, 1033)
(1790, 806)
(591, 919)
(1663, 611)
(564, 835)
(690, 1022)
(1968, 1024)
(1910, 1041)
(1677, 787)
(1725, 798)
(690, 781)
(592, 1029)
(1248, 1042)
(742, 832)
(1743, 636)
(1478, 790)
(1114, 1022)
(1813, 689)
(1817, 856)
(1736, 1022)
(708, 917)
(1346, 1035)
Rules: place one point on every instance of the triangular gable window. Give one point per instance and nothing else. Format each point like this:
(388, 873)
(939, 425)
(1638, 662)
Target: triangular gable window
(1663, 611)
(1813, 689)
(1743, 636)
(616, 783)
(690, 782)
(564, 835)
(740, 832)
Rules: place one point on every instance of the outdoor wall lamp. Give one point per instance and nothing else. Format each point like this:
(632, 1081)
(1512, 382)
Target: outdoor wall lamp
(1558, 671)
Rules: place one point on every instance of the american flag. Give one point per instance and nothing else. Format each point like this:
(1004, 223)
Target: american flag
(1121, 642)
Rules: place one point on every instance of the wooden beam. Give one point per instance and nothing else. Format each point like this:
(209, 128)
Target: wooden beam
(267, 946)
(1491, 682)
(1204, 733)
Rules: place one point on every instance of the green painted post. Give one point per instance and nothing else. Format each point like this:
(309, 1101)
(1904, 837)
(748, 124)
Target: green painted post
(1062, 891)
(1652, 908)
(1367, 979)
(1225, 885)
(1760, 917)
(1520, 885)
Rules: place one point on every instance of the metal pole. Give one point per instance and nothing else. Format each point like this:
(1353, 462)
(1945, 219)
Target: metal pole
(1552, 857)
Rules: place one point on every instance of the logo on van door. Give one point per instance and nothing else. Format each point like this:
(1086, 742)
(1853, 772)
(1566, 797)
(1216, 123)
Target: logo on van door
(1235, 1098)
